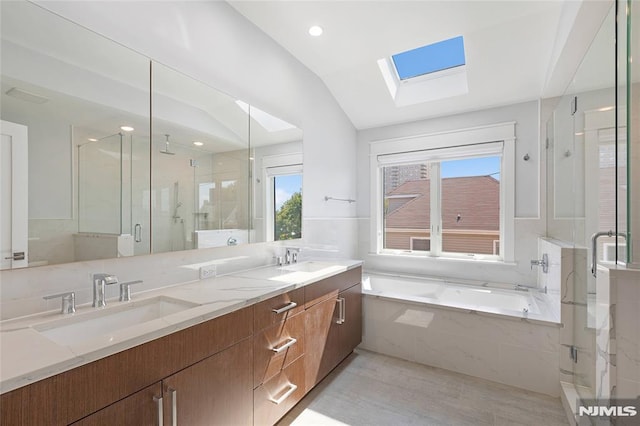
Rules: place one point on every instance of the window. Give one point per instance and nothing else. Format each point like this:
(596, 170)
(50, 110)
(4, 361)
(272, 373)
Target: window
(283, 215)
(444, 195)
(287, 202)
(427, 73)
(463, 195)
(430, 58)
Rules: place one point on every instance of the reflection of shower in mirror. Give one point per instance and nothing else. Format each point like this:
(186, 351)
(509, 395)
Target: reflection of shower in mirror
(166, 147)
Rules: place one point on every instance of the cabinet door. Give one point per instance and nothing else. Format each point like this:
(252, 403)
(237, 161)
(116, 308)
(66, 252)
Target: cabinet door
(322, 341)
(139, 409)
(351, 328)
(215, 391)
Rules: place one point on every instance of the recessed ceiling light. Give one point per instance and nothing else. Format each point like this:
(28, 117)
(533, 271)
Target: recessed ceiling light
(197, 143)
(127, 128)
(315, 31)
(93, 140)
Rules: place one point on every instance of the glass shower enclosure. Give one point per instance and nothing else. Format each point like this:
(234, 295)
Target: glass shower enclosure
(113, 196)
(592, 164)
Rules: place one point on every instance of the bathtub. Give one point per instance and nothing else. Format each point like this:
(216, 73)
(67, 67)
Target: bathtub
(497, 299)
(486, 330)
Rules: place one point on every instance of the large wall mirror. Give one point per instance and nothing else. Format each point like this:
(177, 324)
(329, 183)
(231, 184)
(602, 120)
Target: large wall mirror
(88, 173)
(75, 142)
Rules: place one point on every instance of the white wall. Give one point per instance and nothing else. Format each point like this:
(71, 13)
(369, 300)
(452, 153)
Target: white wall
(529, 223)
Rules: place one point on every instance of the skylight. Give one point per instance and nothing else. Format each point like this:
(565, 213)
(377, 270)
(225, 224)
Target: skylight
(430, 58)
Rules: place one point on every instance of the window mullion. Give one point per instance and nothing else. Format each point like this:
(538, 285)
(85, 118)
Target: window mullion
(435, 209)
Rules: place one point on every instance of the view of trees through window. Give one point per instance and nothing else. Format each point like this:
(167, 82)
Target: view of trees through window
(468, 206)
(287, 197)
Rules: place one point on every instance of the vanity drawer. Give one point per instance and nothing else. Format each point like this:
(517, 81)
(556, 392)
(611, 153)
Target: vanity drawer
(329, 287)
(276, 347)
(278, 308)
(274, 398)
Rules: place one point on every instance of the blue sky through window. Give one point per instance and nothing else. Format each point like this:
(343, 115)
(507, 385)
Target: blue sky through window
(481, 166)
(430, 58)
(285, 186)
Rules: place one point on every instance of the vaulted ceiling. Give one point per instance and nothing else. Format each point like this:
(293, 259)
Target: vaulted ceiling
(508, 48)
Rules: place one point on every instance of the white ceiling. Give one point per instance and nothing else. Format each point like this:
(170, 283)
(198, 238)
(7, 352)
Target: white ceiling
(508, 48)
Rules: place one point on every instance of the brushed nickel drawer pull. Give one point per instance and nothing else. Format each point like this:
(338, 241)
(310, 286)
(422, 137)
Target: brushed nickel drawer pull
(285, 308)
(158, 400)
(292, 341)
(287, 394)
(174, 406)
(341, 310)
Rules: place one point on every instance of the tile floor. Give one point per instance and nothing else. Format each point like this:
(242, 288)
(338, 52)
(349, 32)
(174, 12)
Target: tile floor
(372, 389)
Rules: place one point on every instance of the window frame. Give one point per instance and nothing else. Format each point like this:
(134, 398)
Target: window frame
(440, 147)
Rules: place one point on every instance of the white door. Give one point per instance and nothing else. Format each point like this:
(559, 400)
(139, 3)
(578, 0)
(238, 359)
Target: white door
(13, 196)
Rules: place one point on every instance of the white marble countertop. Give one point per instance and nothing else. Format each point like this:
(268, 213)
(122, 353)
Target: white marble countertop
(27, 355)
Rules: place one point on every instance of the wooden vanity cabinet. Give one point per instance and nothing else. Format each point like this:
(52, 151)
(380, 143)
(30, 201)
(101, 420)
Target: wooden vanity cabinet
(279, 350)
(75, 394)
(216, 391)
(242, 368)
(333, 323)
(139, 409)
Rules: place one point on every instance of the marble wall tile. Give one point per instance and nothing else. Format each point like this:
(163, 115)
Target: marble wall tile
(508, 351)
(514, 362)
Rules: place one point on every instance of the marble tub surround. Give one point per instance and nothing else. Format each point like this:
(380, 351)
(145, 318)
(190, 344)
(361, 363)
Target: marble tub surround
(501, 349)
(26, 355)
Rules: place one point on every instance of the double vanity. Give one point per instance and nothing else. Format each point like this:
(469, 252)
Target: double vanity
(239, 349)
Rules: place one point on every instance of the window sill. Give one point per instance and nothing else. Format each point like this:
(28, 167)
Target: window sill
(442, 259)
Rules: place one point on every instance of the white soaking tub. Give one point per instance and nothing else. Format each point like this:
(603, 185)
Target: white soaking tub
(487, 330)
(499, 299)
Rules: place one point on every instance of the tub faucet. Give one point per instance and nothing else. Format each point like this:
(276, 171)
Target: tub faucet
(99, 281)
(544, 262)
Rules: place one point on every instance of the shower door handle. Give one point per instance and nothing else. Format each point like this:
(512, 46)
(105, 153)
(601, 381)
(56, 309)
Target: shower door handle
(137, 232)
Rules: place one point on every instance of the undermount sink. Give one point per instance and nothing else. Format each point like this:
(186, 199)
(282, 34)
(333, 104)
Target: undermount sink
(76, 329)
(309, 266)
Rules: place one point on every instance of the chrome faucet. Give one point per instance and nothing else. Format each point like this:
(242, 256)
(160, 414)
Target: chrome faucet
(594, 247)
(544, 262)
(125, 290)
(68, 301)
(291, 255)
(99, 281)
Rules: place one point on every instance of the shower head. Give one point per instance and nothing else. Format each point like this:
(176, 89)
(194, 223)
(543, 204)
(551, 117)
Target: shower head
(166, 147)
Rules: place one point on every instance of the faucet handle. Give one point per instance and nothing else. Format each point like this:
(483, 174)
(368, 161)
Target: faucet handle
(68, 301)
(125, 290)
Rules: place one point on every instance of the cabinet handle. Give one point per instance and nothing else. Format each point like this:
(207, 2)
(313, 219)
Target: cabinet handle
(287, 394)
(174, 406)
(158, 400)
(285, 308)
(341, 310)
(290, 343)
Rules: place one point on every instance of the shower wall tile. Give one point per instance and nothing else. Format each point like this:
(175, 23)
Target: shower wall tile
(627, 333)
(618, 333)
(605, 334)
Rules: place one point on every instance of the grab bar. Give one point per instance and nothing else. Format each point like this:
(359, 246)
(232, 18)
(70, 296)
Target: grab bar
(594, 247)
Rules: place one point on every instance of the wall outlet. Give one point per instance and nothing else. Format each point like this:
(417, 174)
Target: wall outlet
(207, 272)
